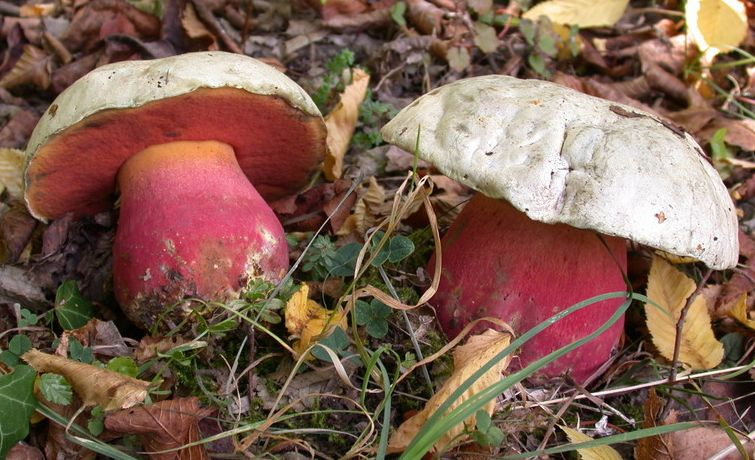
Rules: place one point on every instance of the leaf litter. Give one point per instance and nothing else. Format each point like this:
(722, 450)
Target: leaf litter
(644, 57)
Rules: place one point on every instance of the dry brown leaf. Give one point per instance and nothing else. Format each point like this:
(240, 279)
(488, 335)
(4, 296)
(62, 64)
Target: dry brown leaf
(93, 385)
(738, 132)
(307, 319)
(196, 30)
(36, 10)
(11, 171)
(342, 121)
(162, 426)
(651, 447)
(669, 289)
(369, 206)
(468, 358)
(701, 442)
(33, 68)
(593, 453)
(149, 347)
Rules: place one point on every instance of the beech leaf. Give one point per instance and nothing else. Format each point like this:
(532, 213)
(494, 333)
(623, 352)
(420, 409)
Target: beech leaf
(669, 288)
(716, 25)
(306, 319)
(468, 358)
(342, 121)
(95, 386)
(592, 453)
(582, 13)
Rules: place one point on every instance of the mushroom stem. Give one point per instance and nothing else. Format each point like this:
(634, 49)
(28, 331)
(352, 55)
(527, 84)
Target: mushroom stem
(497, 262)
(190, 225)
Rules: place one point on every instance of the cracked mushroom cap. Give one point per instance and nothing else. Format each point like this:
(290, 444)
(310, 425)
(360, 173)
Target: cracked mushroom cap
(561, 156)
(119, 109)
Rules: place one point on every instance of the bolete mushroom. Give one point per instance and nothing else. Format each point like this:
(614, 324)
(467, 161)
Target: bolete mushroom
(555, 168)
(183, 138)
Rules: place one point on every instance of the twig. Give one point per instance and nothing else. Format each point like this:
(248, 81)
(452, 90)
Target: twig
(209, 20)
(678, 338)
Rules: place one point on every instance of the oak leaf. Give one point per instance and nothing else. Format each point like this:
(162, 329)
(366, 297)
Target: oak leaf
(95, 386)
(468, 358)
(669, 289)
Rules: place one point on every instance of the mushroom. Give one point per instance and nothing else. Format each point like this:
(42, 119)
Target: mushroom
(183, 138)
(564, 179)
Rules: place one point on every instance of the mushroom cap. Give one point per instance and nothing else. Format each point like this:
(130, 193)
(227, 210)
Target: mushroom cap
(561, 156)
(119, 109)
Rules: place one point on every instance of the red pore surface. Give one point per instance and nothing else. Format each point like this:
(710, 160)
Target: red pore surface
(497, 262)
(191, 225)
(278, 146)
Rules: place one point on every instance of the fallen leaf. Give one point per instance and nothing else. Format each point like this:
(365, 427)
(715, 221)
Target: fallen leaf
(22, 451)
(651, 447)
(149, 347)
(582, 13)
(342, 121)
(593, 453)
(165, 425)
(196, 30)
(669, 289)
(715, 25)
(16, 231)
(738, 311)
(307, 319)
(368, 208)
(33, 68)
(468, 358)
(93, 385)
(11, 171)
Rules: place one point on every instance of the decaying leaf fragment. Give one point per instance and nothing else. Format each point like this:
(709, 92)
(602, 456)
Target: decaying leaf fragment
(468, 358)
(716, 25)
(582, 13)
(342, 121)
(593, 453)
(738, 311)
(307, 319)
(93, 385)
(669, 289)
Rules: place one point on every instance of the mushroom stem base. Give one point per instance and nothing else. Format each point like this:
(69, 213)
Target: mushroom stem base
(191, 226)
(497, 262)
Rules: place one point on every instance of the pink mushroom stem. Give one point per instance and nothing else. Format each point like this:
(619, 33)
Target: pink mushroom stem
(191, 225)
(497, 262)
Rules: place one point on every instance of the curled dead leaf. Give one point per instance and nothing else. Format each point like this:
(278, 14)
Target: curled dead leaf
(468, 358)
(307, 319)
(95, 386)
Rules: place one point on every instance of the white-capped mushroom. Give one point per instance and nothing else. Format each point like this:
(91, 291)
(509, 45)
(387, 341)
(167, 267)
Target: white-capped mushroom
(555, 167)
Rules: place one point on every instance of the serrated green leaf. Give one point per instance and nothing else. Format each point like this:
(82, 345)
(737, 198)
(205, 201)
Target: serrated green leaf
(72, 310)
(55, 389)
(17, 403)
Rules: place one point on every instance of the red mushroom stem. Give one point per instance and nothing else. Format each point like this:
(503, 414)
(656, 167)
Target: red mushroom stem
(497, 262)
(191, 225)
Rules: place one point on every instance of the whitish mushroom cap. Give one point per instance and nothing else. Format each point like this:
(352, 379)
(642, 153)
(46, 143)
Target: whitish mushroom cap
(119, 109)
(561, 156)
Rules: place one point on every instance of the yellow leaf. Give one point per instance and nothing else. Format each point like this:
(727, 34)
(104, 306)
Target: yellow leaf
(11, 171)
(468, 358)
(306, 319)
(738, 311)
(94, 385)
(593, 453)
(342, 121)
(670, 288)
(582, 13)
(368, 207)
(716, 25)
